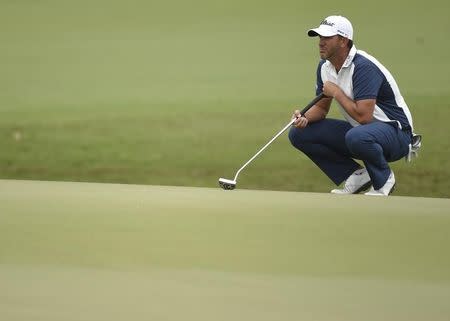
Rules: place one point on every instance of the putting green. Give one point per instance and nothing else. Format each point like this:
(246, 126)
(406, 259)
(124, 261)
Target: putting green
(79, 251)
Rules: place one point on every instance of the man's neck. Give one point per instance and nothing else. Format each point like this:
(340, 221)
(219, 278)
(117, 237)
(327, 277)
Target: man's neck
(339, 59)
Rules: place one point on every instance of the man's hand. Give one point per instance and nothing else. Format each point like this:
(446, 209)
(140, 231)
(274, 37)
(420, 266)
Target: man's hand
(330, 89)
(300, 121)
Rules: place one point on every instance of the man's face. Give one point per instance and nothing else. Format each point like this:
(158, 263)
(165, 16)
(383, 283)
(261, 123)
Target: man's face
(329, 46)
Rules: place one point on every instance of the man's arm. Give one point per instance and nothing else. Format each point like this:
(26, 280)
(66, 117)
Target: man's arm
(318, 112)
(360, 110)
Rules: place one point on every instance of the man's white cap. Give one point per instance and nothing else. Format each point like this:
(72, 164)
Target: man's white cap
(332, 26)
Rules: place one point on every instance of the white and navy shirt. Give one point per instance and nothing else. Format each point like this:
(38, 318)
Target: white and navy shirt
(364, 77)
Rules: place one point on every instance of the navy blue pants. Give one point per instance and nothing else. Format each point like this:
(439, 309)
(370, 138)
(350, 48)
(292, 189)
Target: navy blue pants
(334, 144)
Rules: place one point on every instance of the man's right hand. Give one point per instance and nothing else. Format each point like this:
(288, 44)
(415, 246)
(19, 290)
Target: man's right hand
(299, 120)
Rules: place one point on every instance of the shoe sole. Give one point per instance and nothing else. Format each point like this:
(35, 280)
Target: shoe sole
(392, 189)
(364, 187)
(380, 194)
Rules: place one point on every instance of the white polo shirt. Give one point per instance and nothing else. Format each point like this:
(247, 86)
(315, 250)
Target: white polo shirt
(364, 77)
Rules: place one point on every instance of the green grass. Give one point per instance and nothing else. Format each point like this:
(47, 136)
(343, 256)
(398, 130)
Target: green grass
(76, 251)
(179, 93)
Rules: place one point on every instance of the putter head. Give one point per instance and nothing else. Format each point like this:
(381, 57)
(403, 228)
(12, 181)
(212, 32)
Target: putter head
(227, 183)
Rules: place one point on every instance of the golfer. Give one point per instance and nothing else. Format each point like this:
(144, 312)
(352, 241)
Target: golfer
(378, 126)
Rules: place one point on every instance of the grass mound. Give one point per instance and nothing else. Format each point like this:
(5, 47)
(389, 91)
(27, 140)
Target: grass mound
(108, 252)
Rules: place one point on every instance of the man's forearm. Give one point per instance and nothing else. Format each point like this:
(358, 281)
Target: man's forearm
(316, 113)
(361, 111)
(348, 104)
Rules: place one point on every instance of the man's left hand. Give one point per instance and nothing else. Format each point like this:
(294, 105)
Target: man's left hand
(330, 89)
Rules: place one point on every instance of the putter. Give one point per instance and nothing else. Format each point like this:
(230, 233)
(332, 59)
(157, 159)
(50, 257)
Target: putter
(229, 184)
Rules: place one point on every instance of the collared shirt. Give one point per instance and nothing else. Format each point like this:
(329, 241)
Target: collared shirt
(364, 77)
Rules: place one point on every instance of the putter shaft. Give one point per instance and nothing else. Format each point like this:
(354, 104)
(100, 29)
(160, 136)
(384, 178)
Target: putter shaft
(263, 148)
(224, 182)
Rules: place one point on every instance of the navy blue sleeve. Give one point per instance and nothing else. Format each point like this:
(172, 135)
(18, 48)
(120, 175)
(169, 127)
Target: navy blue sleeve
(319, 82)
(367, 81)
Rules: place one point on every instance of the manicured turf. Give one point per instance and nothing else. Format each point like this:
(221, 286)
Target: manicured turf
(182, 93)
(79, 251)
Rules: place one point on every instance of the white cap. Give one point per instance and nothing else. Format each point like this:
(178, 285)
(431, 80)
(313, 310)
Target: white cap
(332, 26)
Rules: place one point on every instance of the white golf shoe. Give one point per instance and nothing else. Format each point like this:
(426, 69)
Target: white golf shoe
(387, 188)
(357, 182)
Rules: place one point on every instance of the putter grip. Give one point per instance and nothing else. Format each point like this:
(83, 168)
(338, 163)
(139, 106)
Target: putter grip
(312, 103)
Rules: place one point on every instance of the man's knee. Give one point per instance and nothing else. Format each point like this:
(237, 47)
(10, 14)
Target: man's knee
(356, 138)
(295, 137)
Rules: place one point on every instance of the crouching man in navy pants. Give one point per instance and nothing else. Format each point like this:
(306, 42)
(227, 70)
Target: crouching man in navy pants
(378, 125)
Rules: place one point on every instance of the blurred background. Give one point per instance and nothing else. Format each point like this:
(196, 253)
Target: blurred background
(182, 93)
